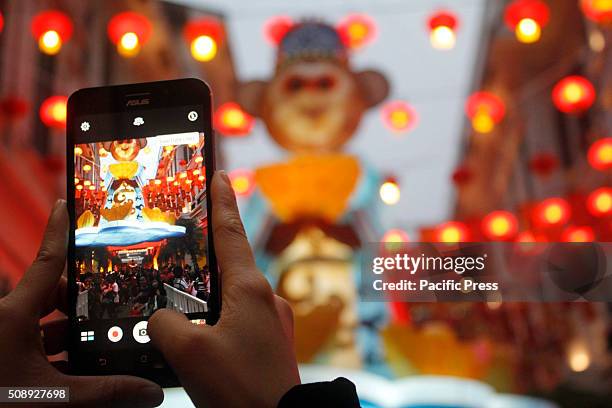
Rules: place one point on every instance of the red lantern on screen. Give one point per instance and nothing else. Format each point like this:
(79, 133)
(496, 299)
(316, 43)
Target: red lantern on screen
(573, 94)
(600, 154)
(243, 181)
(51, 29)
(399, 116)
(599, 11)
(552, 211)
(543, 164)
(442, 30)
(578, 234)
(452, 232)
(357, 30)
(527, 18)
(500, 225)
(204, 36)
(485, 110)
(53, 111)
(599, 202)
(276, 28)
(129, 31)
(231, 120)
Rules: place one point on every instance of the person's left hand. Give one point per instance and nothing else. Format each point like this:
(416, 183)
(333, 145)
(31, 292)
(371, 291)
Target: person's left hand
(23, 353)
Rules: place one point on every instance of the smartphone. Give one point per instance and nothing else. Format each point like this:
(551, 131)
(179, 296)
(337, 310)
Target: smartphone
(140, 159)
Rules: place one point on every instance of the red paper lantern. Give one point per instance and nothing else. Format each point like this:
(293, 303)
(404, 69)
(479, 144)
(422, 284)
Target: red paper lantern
(243, 181)
(51, 29)
(442, 29)
(543, 164)
(578, 234)
(599, 202)
(599, 11)
(53, 111)
(600, 154)
(395, 236)
(399, 116)
(573, 94)
(231, 120)
(357, 30)
(552, 211)
(276, 28)
(129, 31)
(500, 225)
(485, 110)
(14, 107)
(389, 191)
(204, 36)
(527, 18)
(452, 232)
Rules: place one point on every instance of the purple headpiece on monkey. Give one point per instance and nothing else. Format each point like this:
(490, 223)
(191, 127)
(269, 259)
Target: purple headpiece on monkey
(311, 40)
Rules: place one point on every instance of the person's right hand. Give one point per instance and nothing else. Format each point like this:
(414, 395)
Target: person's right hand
(247, 358)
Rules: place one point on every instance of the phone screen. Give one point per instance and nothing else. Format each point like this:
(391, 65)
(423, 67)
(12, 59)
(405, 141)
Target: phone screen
(140, 228)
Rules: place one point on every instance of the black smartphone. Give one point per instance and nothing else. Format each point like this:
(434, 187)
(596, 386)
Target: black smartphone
(140, 162)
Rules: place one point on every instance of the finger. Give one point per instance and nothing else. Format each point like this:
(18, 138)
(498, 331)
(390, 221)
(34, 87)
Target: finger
(59, 299)
(113, 391)
(286, 315)
(32, 292)
(55, 336)
(173, 335)
(231, 245)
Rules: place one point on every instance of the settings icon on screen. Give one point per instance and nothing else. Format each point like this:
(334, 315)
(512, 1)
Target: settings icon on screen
(138, 121)
(85, 126)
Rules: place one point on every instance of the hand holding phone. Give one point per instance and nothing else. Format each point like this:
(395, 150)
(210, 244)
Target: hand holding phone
(23, 360)
(247, 358)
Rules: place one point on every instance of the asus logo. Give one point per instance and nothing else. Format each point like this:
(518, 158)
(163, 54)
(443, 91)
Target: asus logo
(137, 102)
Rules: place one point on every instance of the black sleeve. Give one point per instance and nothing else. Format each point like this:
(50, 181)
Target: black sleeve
(340, 393)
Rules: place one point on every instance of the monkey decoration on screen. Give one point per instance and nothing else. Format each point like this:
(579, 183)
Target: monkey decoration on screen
(312, 106)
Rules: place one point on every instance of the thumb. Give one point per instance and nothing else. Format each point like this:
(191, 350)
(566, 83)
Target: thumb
(176, 337)
(113, 391)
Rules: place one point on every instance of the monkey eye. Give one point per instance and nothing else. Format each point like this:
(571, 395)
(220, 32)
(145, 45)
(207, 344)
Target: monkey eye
(294, 83)
(325, 82)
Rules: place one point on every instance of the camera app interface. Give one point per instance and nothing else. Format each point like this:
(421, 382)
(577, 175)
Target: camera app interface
(141, 236)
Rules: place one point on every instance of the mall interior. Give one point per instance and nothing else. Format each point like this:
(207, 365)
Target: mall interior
(380, 121)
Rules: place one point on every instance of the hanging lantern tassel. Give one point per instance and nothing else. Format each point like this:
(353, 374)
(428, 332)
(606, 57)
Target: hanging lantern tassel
(129, 31)
(51, 29)
(204, 37)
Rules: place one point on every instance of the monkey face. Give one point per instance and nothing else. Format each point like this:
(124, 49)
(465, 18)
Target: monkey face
(312, 107)
(125, 150)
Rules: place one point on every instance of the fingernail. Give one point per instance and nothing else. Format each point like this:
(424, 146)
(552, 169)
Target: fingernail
(58, 204)
(224, 177)
(150, 395)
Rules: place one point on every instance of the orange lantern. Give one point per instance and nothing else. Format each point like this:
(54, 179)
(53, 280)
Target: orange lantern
(599, 11)
(276, 28)
(357, 30)
(552, 211)
(129, 31)
(600, 154)
(399, 116)
(243, 181)
(578, 234)
(395, 236)
(442, 30)
(53, 111)
(452, 232)
(573, 94)
(231, 120)
(204, 36)
(527, 18)
(500, 225)
(51, 29)
(485, 111)
(599, 202)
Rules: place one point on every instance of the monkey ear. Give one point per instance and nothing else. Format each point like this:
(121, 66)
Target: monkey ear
(374, 86)
(250, 96)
